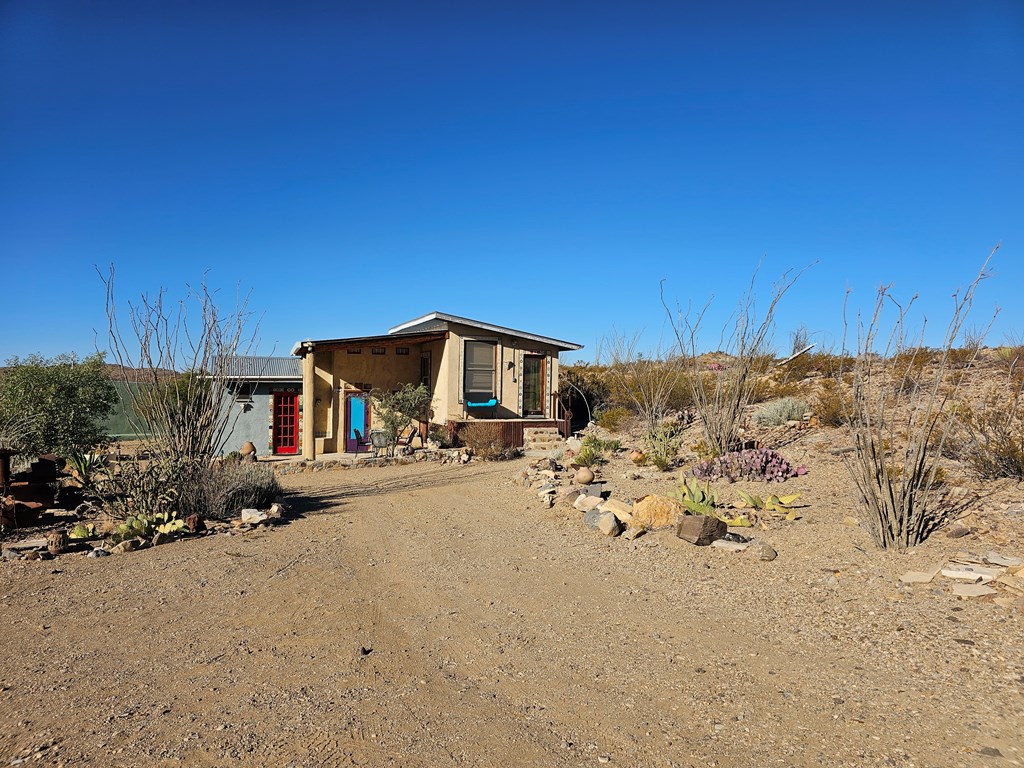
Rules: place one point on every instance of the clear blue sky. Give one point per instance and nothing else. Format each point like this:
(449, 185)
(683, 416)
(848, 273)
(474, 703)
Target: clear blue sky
(536, 165)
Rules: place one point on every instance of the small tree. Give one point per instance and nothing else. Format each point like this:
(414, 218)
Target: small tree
(645, 382)
(396, 410)
(63, 401)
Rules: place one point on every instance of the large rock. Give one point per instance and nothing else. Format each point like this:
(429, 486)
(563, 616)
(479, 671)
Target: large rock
(253, 517)
(592, 518)
(701, 529)
(657, 512)
(608, 524)
(587, 503)
(764, 551)
(621, 510)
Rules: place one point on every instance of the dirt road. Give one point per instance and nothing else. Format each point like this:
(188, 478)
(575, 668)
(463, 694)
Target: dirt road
(433, 616)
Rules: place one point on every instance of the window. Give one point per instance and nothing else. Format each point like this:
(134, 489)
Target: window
(479, 367)
(354, 351)
(378, 350)
(243, 392)
(401, 350)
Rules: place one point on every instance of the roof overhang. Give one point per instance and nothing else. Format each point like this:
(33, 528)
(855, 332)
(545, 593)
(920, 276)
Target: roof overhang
(387, 340)
(446, 318)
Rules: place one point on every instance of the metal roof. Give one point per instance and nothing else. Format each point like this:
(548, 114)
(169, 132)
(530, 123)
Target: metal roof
(391, 339)
(257, 368)
(435, 320)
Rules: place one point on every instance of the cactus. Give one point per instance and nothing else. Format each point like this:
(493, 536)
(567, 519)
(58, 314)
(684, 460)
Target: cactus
(755, 464)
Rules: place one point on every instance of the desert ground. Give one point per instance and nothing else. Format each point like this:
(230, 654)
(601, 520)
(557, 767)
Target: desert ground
(432, 615)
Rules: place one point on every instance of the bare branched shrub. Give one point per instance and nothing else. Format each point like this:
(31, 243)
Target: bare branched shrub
(228, 487)
(181, 357)
(645, 382)
(897, 418)
(16, 431)
(484, 439)
(722, 397)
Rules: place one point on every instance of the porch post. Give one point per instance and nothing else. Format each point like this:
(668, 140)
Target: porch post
(308, 443)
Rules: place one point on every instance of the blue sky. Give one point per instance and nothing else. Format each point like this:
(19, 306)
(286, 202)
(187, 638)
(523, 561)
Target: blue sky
(537, 165)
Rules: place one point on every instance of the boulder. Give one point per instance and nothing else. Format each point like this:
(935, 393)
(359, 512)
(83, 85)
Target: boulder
(701, 529)
(253, 517)
(592, 518)
(587, 503)
(608, 524)
(621, 510)
(657, 512)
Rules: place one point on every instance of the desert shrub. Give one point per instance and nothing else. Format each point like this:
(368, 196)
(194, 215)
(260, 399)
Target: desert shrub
(778, 412)
(722, 398)
(226, 488)
(754, 464)
(894, 401)
(602, 445)
(614, 419)
(833, 403)
(989, 437)
(665, 443)
(642, 382)
(440, 434)
(484, 440)
(62, 402)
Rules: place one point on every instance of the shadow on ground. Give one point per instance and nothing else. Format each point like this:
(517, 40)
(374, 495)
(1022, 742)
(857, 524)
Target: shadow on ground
(331, 497)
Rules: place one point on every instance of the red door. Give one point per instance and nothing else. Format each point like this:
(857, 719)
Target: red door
(286, 422)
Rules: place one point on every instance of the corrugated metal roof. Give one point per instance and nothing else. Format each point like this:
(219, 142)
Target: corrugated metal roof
(254, 368)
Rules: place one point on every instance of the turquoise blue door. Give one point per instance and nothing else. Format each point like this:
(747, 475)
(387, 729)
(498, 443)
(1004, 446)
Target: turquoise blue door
(357, 419)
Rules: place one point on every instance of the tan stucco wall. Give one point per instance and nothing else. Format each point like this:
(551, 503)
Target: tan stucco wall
(333, 371)
(509, 380)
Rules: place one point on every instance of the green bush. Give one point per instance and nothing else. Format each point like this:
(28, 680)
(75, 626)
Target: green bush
(615, 418)
(66, 399)
(778, 412)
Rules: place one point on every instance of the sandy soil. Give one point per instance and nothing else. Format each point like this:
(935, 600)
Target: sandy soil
(433, 615)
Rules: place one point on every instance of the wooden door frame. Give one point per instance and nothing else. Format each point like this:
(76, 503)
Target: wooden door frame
(543, 382)
(346, 427)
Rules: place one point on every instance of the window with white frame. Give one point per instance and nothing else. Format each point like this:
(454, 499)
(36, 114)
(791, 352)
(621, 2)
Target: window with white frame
(479, 357)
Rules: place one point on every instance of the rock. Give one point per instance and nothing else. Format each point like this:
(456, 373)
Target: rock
(128, 545)
(957, 532)
(622, 510)
(549, 500)
(608, 524)
(701, 529)
(160, 538)
(591, 518)
(10, 555)
(253, 517)
(546, 490)
(99, 552)
(633, 532)
(920, 577)
(638, 457)
(33, 554)
(994, 558)
(195, 524)
(573, 444)
(276, 511)
(549, 474)
(730, 546)
(583, 476)
(569, 495)
(464, 458)
(974, 574)
(973, 590)
(764, 551)
(587, 503)
(657, 512)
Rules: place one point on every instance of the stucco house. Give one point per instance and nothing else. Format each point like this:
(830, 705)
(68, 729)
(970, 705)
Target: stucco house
(265, 397)
(475, 370)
